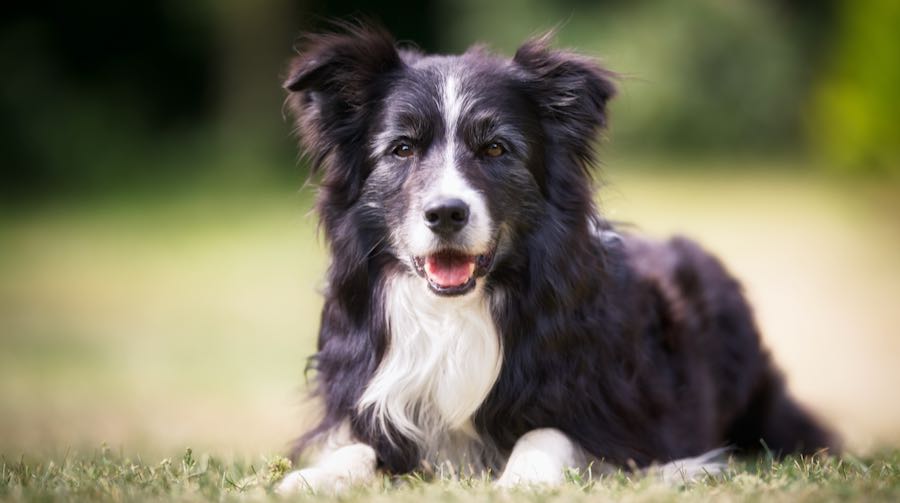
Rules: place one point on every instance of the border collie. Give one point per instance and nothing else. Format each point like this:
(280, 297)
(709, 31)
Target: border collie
(480, 315)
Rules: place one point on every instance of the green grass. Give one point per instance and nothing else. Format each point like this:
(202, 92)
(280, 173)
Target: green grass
(107, 476)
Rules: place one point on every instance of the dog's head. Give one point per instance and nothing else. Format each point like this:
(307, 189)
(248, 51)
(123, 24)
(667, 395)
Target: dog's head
(452, 157)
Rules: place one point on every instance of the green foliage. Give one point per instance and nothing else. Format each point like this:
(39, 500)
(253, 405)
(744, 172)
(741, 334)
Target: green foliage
(697, 75)
(854, 119)
(107, 476)
(708, 76)
(103, 96)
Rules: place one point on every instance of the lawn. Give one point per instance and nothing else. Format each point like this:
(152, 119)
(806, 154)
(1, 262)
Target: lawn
(106, 476)
(155, 322)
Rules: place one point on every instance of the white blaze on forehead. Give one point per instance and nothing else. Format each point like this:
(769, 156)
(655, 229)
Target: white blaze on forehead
(452, 104)
(450, 183)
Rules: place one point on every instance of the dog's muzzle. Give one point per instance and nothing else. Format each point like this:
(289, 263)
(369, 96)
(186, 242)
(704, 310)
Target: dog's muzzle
(451, 272)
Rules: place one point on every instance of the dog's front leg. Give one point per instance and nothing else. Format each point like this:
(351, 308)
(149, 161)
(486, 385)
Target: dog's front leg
(540, 457)
(335, 472)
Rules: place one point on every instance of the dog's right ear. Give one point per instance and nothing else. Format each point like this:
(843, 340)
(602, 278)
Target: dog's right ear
(332, 82)
(571, 90)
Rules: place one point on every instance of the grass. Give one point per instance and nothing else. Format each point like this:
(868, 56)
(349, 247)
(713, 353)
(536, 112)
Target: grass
(107, 476)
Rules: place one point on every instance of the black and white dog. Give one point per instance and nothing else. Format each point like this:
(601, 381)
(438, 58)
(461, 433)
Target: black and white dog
(479, 311)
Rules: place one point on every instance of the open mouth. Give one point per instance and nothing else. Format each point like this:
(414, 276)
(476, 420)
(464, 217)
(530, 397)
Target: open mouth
(452, 272)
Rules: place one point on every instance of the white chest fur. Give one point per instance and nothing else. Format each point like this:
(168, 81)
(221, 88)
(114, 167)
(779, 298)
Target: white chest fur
(442, 359)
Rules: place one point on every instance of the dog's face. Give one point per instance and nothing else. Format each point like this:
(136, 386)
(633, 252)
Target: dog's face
(451, 148)
(448, 154)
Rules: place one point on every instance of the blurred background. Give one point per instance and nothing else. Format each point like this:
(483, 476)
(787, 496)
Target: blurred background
(159, 266)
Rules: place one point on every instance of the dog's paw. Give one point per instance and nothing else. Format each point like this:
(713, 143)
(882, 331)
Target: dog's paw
(539, 458)
(534, 469)
(314, 480)
(342, 469)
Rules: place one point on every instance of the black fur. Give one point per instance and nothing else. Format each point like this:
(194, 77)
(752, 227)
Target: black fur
(638, 351)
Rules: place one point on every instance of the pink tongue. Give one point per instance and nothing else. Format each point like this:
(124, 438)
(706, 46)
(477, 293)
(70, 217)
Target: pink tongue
(449, 270)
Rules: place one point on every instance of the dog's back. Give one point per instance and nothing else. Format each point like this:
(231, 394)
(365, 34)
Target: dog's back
(709, 344)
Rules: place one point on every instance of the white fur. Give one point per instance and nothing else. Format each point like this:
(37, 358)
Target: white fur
(687, 470)
(340, 467)
(453, 103)
(541, 457)
(443, 357)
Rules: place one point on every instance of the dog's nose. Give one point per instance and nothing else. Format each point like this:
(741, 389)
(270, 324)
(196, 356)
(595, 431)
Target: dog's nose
(447, 216)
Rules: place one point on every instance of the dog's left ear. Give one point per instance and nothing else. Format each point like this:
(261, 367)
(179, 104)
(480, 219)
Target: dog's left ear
(571, 91)
(342, 64)
(332, 84)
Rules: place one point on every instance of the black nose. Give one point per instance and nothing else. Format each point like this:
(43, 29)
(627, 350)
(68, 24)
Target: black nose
(447, 216)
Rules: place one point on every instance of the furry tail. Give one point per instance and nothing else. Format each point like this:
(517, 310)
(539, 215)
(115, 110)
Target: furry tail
(774, 421)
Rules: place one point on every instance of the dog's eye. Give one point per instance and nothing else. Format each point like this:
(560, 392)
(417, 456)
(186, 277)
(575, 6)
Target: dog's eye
(403, 150)
(494, 149)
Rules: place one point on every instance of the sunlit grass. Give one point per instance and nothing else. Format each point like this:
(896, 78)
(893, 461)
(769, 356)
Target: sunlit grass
(109, 476)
